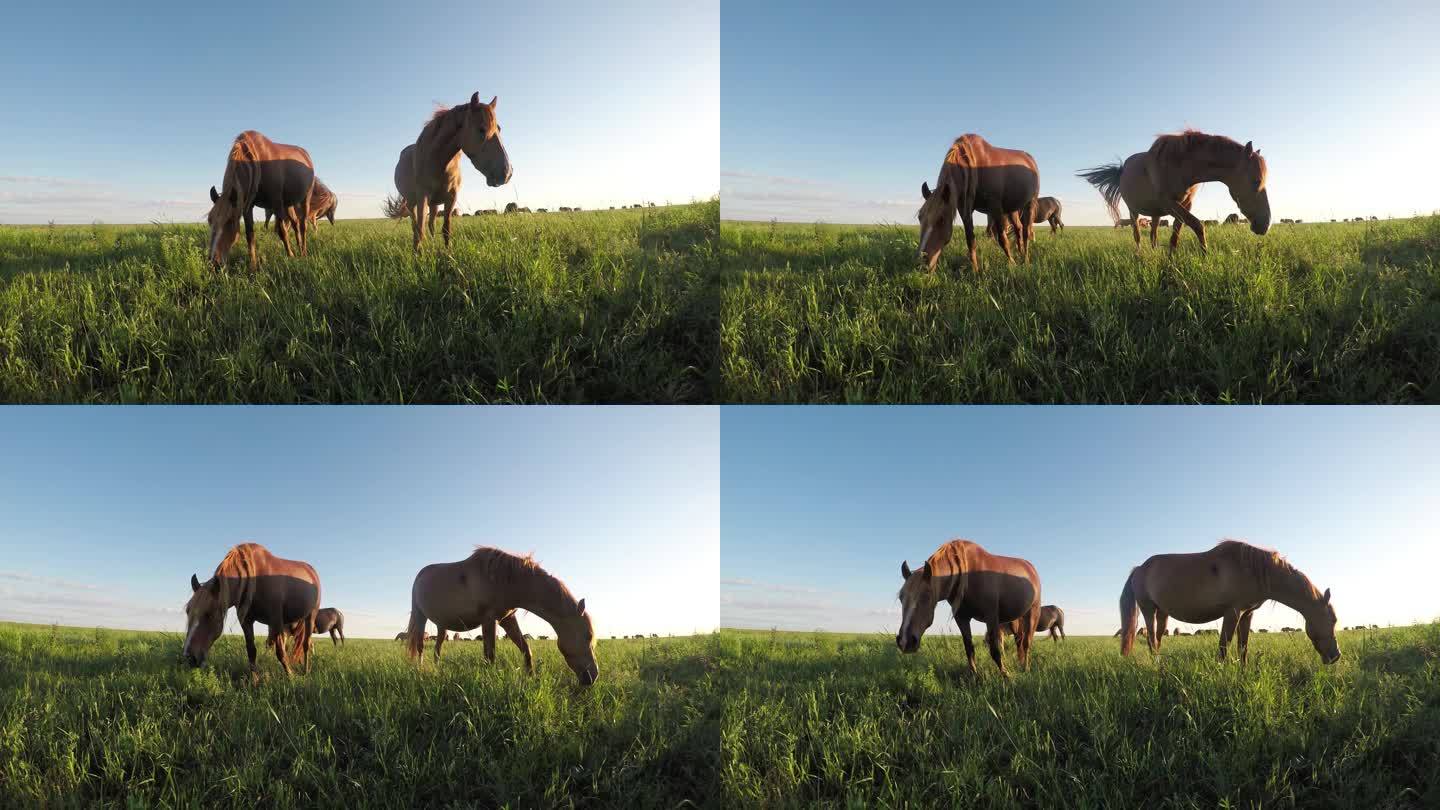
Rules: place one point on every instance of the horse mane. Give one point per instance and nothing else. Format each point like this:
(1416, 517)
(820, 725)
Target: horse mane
(962, 151)
(442, 117)
(951, 555)
(514, 568)
(1264, 562)
(1203, 145)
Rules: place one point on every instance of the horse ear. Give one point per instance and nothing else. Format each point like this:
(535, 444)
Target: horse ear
(925, 190)
(905, 569)
(475, 99)
(1249, 148)
(214, 198)
(925, 570)
(195, 583)
(493, 101)
(581, 607)
(1327, 596)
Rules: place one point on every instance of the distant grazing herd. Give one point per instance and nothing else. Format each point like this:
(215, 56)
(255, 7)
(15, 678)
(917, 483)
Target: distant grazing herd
(1226, 583)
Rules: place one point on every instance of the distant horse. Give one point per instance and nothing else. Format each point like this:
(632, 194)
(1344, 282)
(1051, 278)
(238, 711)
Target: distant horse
(401, 636)
(978, 585)
(274, 176)
(1233, 219)
(322, 204)
(428, 172)
(283, 595)
(1047, 209)
(488, 587)
(332, 621)
(1164, 179)
(1228, 582)
(1052, 619)
(975, 176)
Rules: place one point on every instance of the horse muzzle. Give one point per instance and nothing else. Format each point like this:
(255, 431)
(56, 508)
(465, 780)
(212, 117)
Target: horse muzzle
(589, 676)
(194, 660)
(907, 645)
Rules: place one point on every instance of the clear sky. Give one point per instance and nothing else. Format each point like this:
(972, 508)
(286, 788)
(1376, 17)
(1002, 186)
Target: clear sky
(105, 512)
(122, 116)
(821, 505)
(836, 112)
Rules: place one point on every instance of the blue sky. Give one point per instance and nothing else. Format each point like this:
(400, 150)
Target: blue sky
(837, 112)
(821, 505)
(121, 116)
(106, 512)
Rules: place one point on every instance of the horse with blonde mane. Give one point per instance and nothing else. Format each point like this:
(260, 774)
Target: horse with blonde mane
(975, 176)
(1164, 180)
(978, 585)
(428, 172)
(1228, 582)
(486, 589)
(283, 595)
(259, 171)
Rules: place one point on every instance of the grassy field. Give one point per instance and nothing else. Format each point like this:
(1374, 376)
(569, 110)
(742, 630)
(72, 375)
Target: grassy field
(1309, 313)
(604, 306)
(847, 721)
(109, 718)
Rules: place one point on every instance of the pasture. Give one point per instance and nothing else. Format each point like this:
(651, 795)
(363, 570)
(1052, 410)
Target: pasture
(818, 718)
(1342, 312)
(111, 718)
(595, 306)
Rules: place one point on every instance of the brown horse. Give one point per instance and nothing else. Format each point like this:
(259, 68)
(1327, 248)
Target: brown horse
(1164, 180)
(978, 585)
(274, 176)
(1047, 209)
(322, 204)
(428, 173)
(487, 588)
(283, 595)
(332, 621)
(1001, 183)
(1228, 582)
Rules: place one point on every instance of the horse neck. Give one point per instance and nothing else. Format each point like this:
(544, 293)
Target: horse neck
(1208, 167)
(543, 596)
(445, 141)
(1292, 589)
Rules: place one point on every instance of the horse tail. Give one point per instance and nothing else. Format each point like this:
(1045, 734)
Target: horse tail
(415, 641)
(1129, 615)
(1106, 178)
(340, 625)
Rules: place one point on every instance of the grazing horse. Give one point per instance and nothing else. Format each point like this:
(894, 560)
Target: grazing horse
(1051, 618)
(428, 172)
(1047, 209)
(487, 588)
(1164, 181)
(274, 176)
(332, 621)
(283, 595)
(1001, 183)
(1228, 582)
(978, 585)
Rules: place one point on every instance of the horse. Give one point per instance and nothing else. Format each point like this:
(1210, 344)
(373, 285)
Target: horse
(332, 621)
(1164, 179)
(978, 585)
(1228, 582)
(275, 176)
(428, 172)
(1047, 209)
(322, 204)
(1233, 219)
(487, 588)
(1052, 619)
(975, 176)
(282, 594)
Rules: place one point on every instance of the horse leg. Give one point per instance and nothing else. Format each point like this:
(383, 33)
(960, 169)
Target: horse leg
(1242, 636)
(280, 221)
(969, 642)
(302, 224)
(1001, 226)
(275, 637)
(249, 217)
(992, 640)
(1227, 629)
(434, 213)
(1157, 638)
(449, 212)
(1135, 226)
(488, 630)
(968, 220)
(1183, 214)
(1025, 637)
(417, 221)
(1026, 226)
(512, 632)
(334, 636)
(1147, 611)
(248, 628)
(1154, 231)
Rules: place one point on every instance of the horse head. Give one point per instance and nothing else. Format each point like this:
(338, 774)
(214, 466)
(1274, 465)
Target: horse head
(480, 138)
(937, 221)
(917, 606)
(1320, 627)
(204, 619)
(224, 219)
(1246, 182)
(575, 637)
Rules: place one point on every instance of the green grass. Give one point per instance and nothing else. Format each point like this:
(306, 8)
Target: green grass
(110, 718)
(604, 306)
(1309, 313)
(848, 721)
